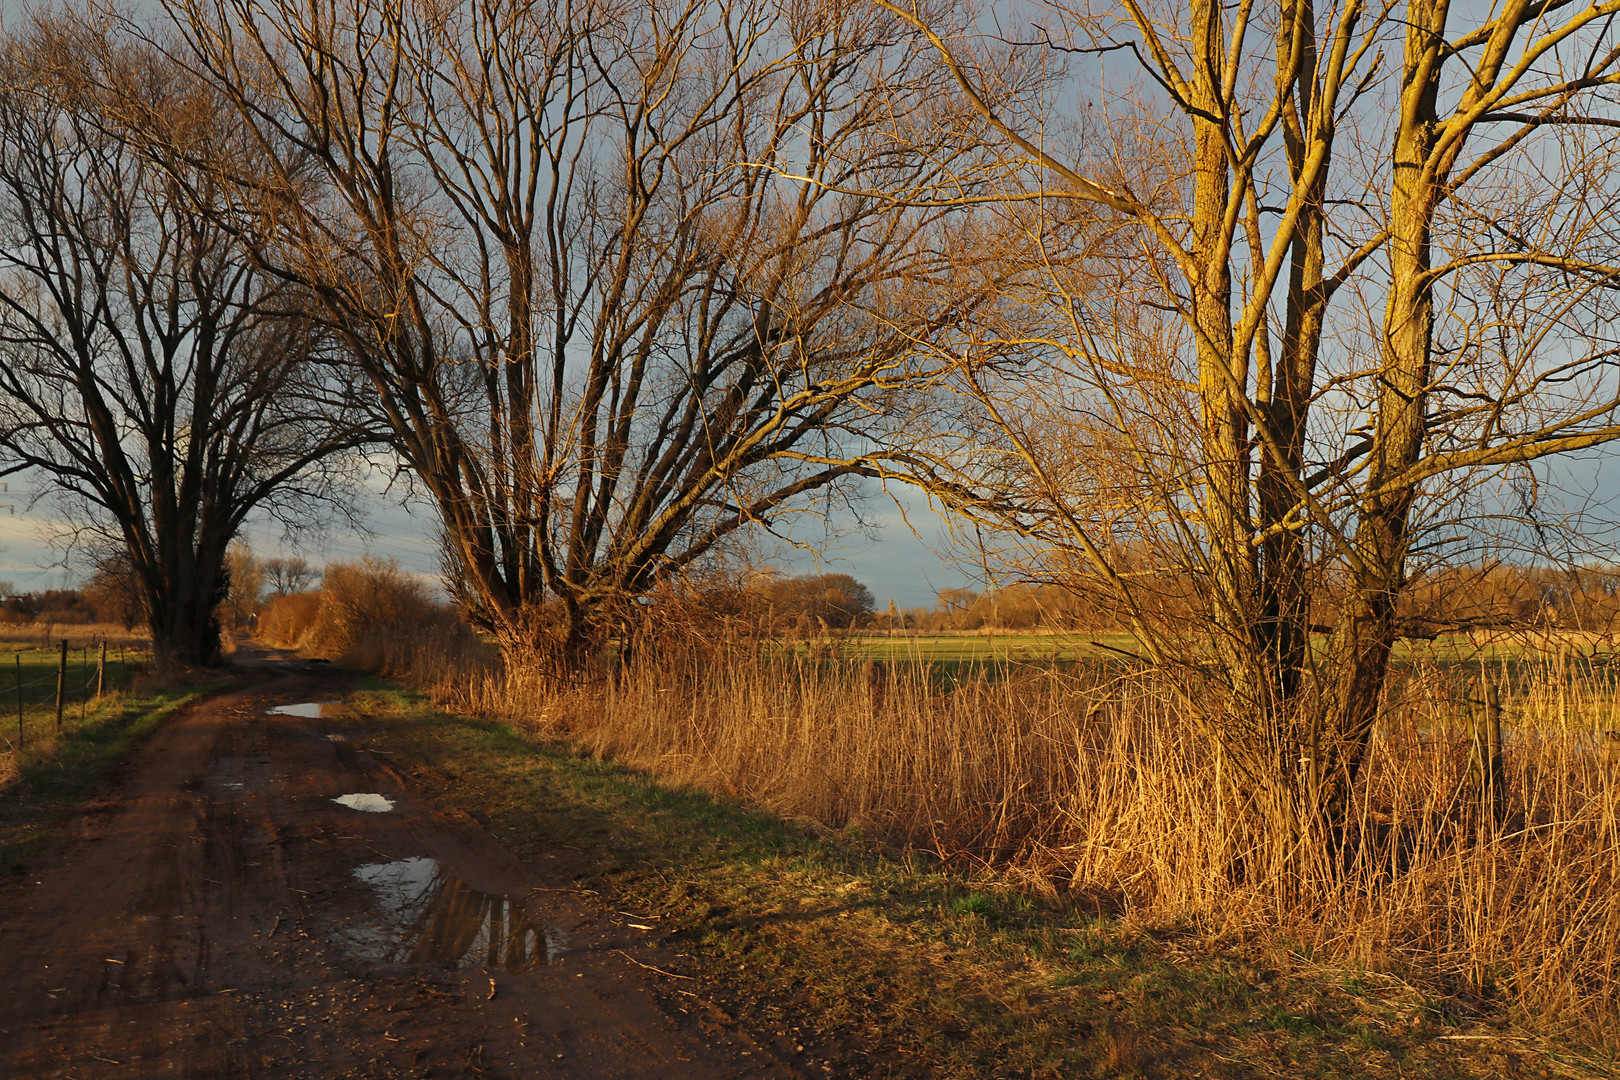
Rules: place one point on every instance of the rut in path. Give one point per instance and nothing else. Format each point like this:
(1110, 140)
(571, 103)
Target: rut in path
(215, 913)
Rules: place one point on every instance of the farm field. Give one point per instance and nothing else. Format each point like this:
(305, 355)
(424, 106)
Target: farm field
(1513, 659)
(47, 635)
(998, 648)
(28, 677)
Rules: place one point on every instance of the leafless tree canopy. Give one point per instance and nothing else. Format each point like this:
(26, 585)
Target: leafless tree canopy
(625, 278)
(289, 575)
(1307, 289)
(1249, 310)
(148, 370)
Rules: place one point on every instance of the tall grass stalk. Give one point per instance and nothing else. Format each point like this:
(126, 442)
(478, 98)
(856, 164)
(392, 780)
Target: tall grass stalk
(1085, 784)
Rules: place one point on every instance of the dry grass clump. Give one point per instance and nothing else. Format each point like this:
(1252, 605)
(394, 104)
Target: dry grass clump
(1086, 784)
(1097, 789)
(286, 620)
(358, 599)
(373, 615)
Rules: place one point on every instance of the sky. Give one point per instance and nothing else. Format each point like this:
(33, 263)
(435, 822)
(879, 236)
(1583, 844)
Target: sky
(894, 562)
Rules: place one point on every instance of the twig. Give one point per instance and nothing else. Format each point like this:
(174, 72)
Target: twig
(649, 967)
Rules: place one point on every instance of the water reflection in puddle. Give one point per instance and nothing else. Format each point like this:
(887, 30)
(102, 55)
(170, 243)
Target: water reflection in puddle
(433, 917)
(309, 710)
(369, 801)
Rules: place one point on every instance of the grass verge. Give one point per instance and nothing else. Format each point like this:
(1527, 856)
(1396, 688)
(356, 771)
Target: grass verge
(881, 965)
(49, 779)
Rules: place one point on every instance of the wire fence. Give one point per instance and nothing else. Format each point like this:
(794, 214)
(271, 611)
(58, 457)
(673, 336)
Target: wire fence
(49, 687)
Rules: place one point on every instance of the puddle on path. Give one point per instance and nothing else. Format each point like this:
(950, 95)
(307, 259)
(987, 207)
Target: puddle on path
(309, 710)
(433, 917)
(369, 801)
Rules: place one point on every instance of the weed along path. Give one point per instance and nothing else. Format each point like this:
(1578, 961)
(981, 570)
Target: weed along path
(259, 894)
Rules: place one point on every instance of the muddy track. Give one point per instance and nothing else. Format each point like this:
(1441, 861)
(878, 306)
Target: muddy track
(215, 913)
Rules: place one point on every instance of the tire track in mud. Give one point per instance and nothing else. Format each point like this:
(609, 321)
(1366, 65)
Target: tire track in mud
(203, 918)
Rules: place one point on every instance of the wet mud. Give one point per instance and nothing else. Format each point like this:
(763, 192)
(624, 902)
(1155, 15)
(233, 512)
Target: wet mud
(428, 915)
(216, 912)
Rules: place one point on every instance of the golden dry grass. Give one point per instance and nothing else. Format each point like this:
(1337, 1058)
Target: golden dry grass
(78, 635)
(1087, 787)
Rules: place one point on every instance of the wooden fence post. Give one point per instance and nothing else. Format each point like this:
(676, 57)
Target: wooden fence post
(1485, 772)
(101, 670)
(61, 683)
(18, 657)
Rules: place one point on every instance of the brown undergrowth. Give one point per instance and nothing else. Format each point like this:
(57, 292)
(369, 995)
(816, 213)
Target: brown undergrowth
(1080, 784)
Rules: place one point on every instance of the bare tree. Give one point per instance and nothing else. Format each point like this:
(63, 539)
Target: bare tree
(148, 371)
(244, 576)
(114, 590)
(1268, 352)
(604, 264)
(289, 575)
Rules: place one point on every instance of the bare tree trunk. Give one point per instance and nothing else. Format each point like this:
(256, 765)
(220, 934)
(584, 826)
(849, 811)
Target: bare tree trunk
(1223, 492)
(1222, 372)
(186, 631)
(1368, 627)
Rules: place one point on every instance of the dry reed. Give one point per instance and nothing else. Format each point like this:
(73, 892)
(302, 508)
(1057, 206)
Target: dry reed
(1087, 785)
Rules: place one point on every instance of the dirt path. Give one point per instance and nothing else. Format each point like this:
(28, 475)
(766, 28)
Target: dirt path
(217, 914)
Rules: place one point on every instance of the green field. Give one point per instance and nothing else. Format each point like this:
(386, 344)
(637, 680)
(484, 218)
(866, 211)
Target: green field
(1448, 651)
(1002, 648)
(28, 676)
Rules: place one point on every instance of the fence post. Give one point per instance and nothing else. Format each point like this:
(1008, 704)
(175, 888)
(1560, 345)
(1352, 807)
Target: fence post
(61, 683)
(18, 657)
(101, 670)
(1485, 752)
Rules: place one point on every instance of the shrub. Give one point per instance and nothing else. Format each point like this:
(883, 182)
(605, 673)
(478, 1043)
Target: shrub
(287, 620)
(370, 614)
(369, 595)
